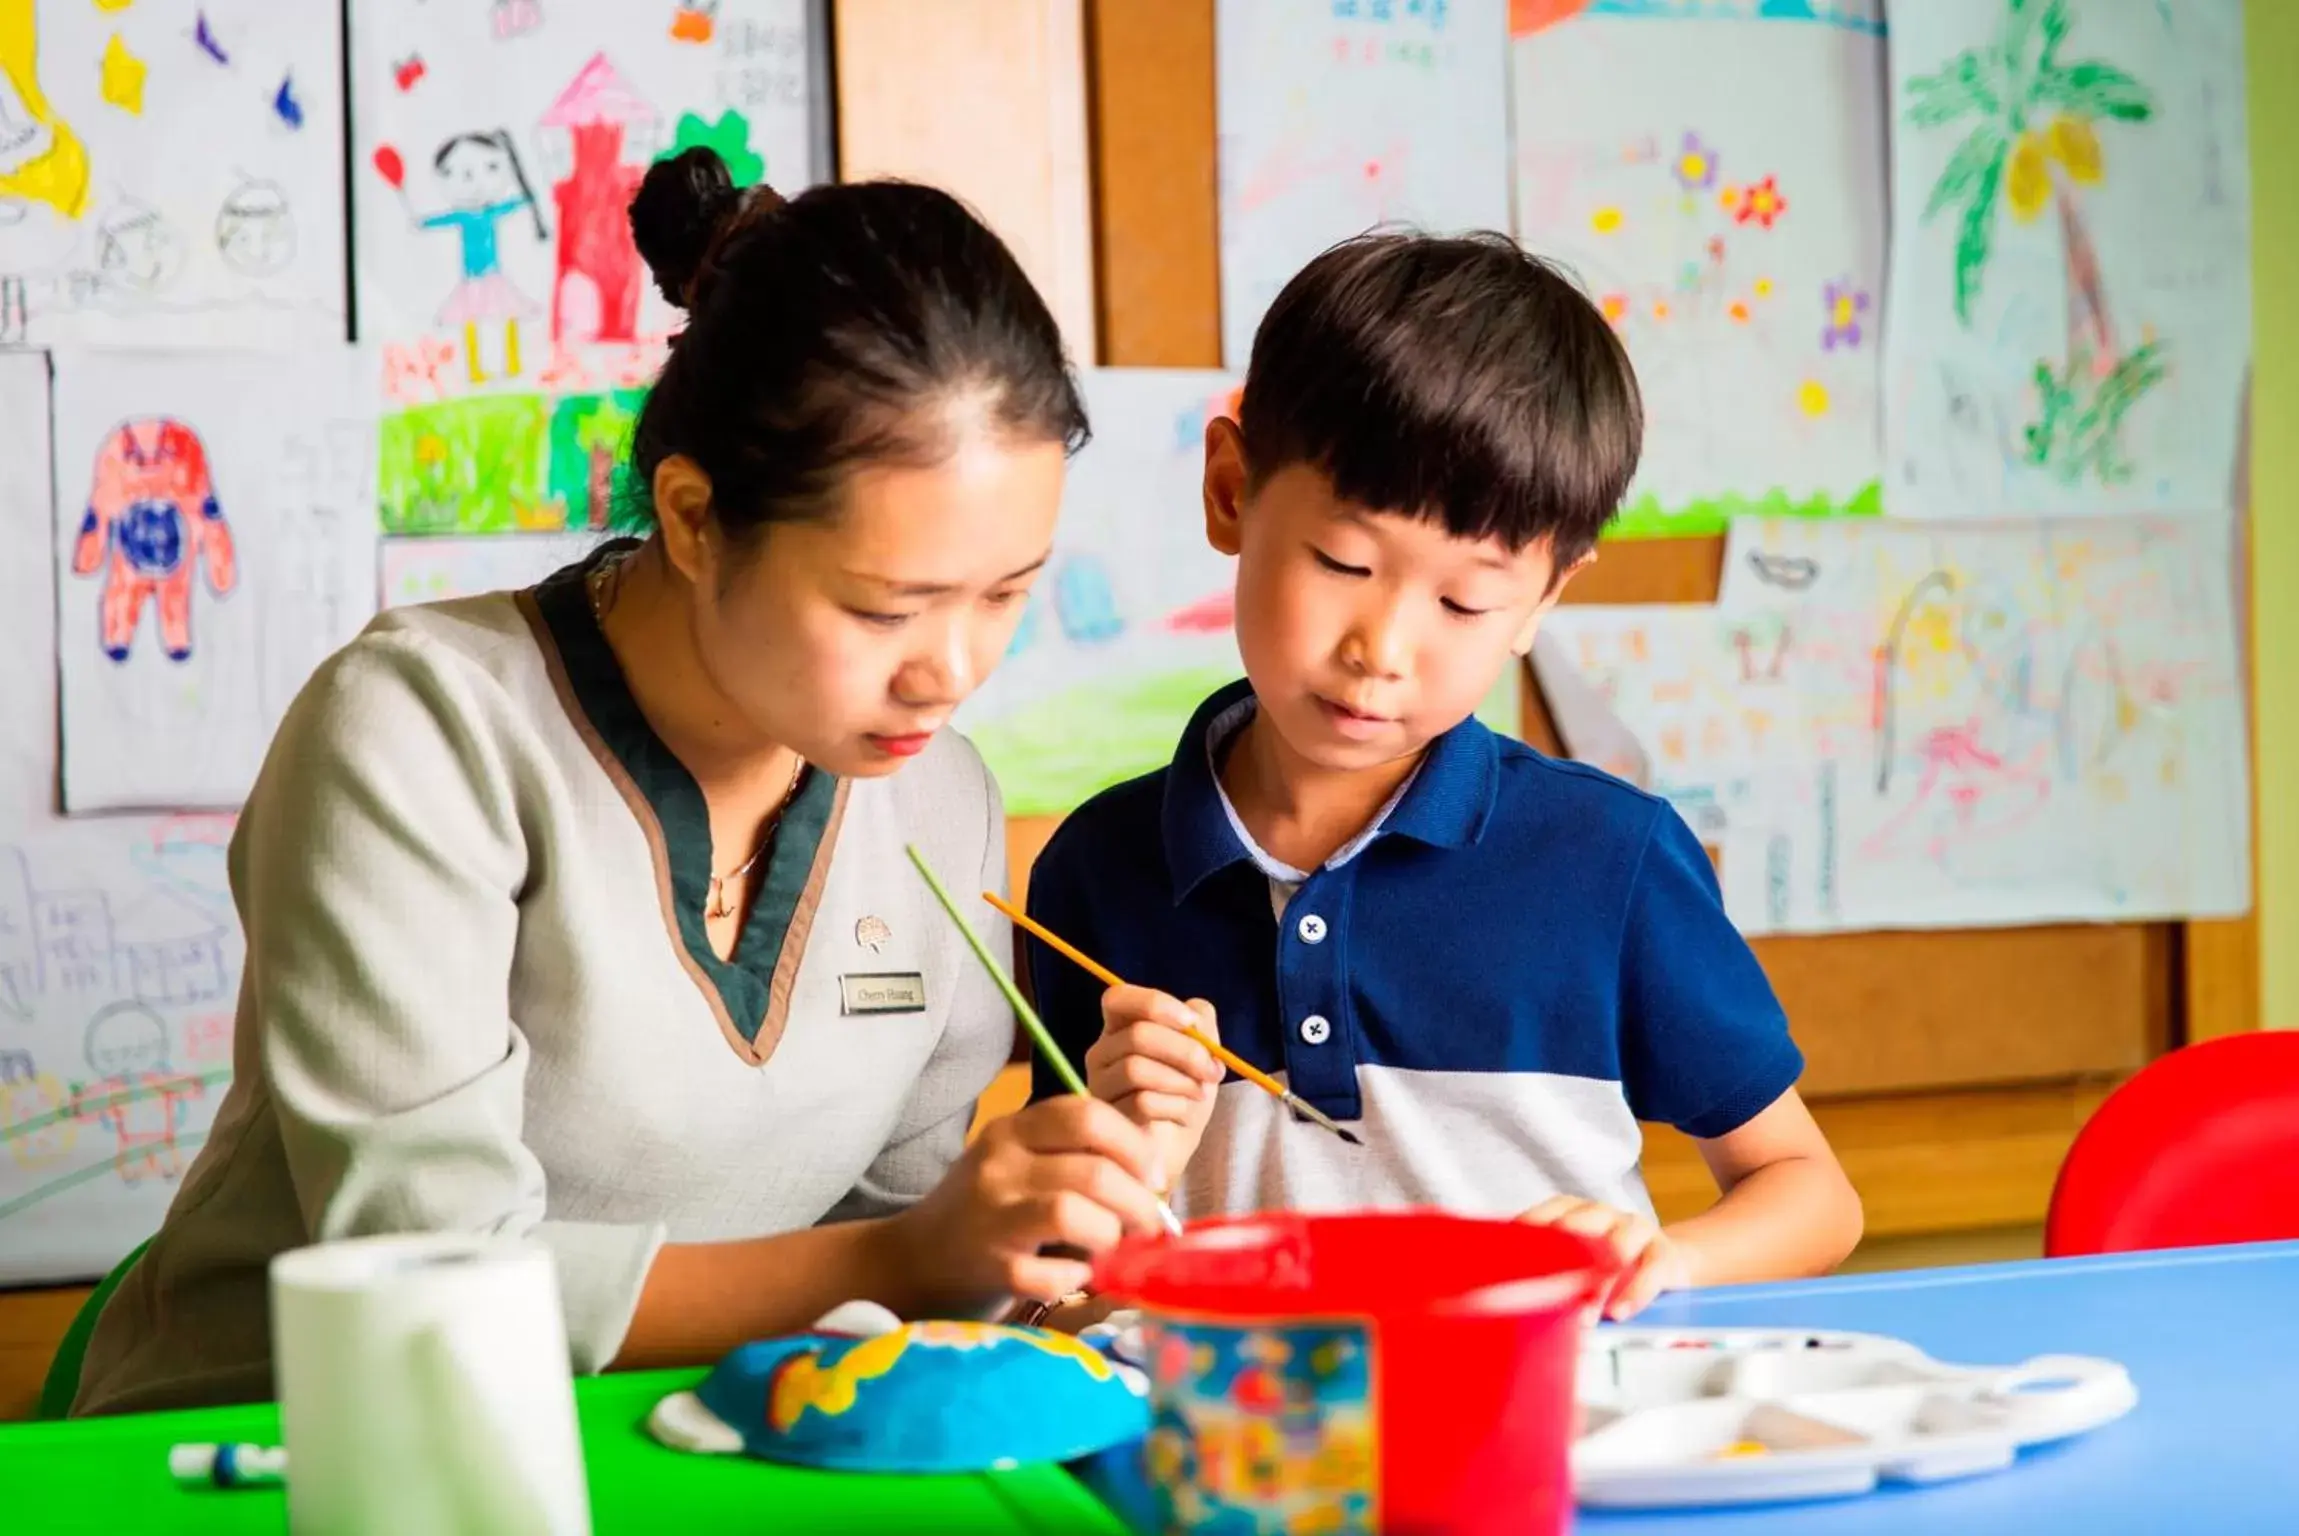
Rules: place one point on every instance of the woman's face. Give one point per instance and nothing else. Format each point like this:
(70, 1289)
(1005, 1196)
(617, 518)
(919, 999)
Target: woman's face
(852, 639)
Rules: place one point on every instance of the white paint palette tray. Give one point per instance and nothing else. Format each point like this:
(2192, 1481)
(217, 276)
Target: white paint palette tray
(1676, 1418)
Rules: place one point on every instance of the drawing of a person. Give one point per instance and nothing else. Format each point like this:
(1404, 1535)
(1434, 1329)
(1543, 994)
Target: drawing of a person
(152, 510)
(485, 185)
(136, 1096)
(136, 249)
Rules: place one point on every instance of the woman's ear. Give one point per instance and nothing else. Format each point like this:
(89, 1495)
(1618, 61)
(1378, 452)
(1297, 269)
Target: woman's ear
(682, 512)
(1224, 485)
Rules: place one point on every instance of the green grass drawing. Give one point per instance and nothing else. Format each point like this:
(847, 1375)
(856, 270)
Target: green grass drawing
(2033, 144)
(467, 466)
(1047, 764)
(2078, 430)
(1647, 518)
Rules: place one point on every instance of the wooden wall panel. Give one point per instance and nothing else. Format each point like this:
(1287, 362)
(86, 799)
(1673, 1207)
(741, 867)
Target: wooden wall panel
(986, 98)
(1159, 303)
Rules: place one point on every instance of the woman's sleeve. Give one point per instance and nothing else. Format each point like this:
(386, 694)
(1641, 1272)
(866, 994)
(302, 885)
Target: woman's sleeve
(377, 869)
(977, 1039)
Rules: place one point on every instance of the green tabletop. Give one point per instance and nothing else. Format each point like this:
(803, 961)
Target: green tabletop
(111, 1475)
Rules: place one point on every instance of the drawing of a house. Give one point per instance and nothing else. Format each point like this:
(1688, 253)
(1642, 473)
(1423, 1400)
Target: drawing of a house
(595, 292)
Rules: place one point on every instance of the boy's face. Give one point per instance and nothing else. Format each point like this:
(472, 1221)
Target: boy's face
(1367, 634)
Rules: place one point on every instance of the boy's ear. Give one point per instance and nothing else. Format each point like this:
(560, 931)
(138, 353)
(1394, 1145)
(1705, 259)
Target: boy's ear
(1523, 643)
(1224, 485)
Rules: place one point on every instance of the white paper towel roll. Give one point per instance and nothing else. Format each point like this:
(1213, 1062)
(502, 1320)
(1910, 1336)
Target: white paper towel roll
(424, 1386)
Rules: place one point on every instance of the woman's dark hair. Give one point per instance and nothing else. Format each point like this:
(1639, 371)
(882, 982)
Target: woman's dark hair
(830, 330)
(499, 140)
(1462, 380)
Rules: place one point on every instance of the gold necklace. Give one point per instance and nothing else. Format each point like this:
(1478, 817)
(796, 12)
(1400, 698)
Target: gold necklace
(603, 583)
(716, 905)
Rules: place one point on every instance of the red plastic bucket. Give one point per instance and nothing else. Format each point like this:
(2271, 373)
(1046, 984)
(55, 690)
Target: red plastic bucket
(1394, 1372)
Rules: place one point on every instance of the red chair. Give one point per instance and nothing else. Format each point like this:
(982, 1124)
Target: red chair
(2201, 1147)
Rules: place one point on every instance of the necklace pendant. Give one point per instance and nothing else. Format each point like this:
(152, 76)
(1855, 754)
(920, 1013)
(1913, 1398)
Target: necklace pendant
(716, 906)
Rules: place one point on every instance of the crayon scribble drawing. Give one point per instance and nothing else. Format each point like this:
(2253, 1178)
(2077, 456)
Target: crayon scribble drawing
(1733, 236)
(2025, 722)
(248, 474)
(152, 522)
(118, 962)
(2071, 288)
(498, 148)
(1340, 115)
(118, 227)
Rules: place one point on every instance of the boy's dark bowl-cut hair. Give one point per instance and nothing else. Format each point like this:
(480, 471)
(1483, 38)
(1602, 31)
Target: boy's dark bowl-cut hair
(1460, 379)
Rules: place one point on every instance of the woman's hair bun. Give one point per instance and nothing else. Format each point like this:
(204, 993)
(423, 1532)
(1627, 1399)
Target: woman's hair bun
(683, 205)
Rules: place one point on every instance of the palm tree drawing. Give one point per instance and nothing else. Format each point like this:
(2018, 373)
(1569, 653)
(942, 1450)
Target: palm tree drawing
(2035, 145)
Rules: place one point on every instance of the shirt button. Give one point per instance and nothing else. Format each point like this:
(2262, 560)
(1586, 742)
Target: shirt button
(1316, 1029)
(1311, 929)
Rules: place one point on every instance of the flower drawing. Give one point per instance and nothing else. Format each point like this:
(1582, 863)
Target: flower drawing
(1758, 203)
(1845, 304)
(1695, 164)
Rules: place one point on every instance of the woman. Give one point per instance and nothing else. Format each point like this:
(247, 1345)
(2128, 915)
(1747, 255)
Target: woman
(583, 913)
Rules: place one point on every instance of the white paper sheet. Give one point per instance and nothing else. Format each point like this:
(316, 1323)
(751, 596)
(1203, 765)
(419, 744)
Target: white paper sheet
(171, 175)
(119, 954)
(496, 149)
(1129, 628)
(214, 541)
(434, 570)
(1716, 181)
(1338, 115)
(1965, 725)
(2096, 362)
(1717, 720)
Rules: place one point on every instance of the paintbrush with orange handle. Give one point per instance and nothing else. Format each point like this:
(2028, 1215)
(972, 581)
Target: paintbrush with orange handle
(1221, 1053)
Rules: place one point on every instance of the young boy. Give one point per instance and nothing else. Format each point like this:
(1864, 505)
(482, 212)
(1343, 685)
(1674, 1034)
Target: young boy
(1491, 965)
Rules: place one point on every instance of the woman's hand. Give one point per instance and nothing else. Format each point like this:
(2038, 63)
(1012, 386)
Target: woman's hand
(1650, 1260)
(1157, 1076)
(1070, 1171)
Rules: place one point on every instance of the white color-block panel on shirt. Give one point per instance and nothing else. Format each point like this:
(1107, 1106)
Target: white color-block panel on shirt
(1478, 1143)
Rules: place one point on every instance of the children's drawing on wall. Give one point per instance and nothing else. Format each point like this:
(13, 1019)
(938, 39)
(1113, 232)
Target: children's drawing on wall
(152, 522)
(1991, 723)
(1734, 238)
(127, 135)
(1339, 115)
(608, 134)
(508, 141)
(115, 988)
(2074, 266)
(252, 476)
(484, 185)
(255, 229)
(1128, 629)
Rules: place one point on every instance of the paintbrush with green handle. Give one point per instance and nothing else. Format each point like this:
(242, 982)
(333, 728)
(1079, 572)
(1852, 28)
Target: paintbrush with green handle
(1020, 1005)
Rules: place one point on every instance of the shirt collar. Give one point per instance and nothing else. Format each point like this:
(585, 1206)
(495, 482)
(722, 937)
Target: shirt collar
(1445, 802)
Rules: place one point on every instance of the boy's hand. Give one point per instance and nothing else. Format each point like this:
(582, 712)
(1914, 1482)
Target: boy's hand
(1146, 1066)
(1651, 1262)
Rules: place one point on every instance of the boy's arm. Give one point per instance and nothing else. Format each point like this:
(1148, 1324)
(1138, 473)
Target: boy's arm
(1787, 1209)
(1705, 1048)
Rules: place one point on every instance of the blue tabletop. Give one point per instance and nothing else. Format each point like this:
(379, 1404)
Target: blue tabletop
(2210, 1335)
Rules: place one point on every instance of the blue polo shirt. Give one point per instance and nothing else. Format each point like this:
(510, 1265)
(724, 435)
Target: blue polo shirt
(1523, 959)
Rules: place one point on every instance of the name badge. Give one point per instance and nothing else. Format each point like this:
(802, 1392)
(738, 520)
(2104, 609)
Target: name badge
(883, 992)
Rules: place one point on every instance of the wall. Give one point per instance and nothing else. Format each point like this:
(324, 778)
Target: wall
(2272, 45)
